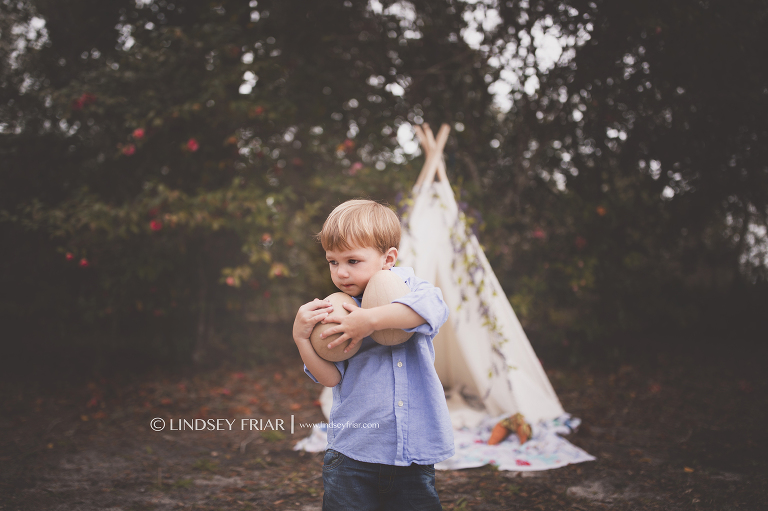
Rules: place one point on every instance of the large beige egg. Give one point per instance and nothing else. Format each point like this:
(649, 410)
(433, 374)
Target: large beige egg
(384, 287)
(321, 345)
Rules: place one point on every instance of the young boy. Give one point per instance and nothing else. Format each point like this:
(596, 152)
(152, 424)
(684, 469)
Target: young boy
(389, 422)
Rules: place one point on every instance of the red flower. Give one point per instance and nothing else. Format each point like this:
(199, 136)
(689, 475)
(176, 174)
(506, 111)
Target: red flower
(129, 149)
(267, 294)
(155, 225)
(86, 99)
(354, 168)
(138, 133)
(230, 281)
(84, 263)
(349, 145)
(258, 110)
(192, 145)
(580, 242)
(522, 463)
(266, 238)
(69, 256)
(538, 234)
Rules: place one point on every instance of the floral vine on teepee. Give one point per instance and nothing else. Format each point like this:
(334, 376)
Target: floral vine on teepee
(465, 253)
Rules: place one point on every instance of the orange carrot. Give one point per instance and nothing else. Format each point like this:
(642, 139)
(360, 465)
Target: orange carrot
(514, 423)
(498, 434)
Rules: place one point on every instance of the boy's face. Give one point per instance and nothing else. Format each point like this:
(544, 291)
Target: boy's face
(352, 269)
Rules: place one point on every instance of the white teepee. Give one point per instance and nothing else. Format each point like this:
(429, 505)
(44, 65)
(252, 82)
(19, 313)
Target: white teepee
(482, 350)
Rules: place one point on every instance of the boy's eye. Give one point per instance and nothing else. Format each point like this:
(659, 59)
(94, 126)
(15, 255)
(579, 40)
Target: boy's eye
(332, 263)
(353, 261)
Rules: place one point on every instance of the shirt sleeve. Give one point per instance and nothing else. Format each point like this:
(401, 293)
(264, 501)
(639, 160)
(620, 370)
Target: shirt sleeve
(427, 301)
(341, 366)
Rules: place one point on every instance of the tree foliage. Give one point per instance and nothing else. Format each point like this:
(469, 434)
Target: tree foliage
(164, 166)
(649, 137)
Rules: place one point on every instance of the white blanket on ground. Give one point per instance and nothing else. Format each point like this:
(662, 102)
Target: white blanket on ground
(545, 450)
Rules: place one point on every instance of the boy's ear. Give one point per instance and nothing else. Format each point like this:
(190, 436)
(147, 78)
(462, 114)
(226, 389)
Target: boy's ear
(391, 258)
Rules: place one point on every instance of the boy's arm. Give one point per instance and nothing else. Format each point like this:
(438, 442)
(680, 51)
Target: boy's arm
(324, 372)
(427, 301)
(363, 322)
(423, 310)
(307, 317)
(395, 315)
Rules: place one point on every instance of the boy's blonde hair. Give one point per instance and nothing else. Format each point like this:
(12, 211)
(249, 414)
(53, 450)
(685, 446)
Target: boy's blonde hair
(361, 223)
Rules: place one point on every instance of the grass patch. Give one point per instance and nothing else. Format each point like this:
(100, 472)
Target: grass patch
(257, 461)
(206, 465)
(273, 435)
(183, 483)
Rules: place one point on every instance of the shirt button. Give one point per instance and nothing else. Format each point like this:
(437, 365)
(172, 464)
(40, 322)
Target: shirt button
(399, 403)
(399, 364)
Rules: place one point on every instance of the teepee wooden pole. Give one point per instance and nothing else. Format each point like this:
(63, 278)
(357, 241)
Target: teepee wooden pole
(427, 150)
(441, 175)
(434, 155)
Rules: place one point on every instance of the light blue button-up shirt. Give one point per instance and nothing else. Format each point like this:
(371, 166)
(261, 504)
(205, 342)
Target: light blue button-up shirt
(389, 406)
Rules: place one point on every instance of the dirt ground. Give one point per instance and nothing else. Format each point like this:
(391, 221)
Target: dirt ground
(681, 432)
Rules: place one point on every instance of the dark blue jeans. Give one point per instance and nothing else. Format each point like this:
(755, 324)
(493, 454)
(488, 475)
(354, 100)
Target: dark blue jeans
(352, 485)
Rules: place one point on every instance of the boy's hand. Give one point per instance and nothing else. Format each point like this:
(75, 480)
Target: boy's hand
(355, 326)
(309, 315)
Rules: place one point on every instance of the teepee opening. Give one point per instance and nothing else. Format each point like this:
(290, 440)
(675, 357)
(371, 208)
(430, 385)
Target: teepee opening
(450, 362)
